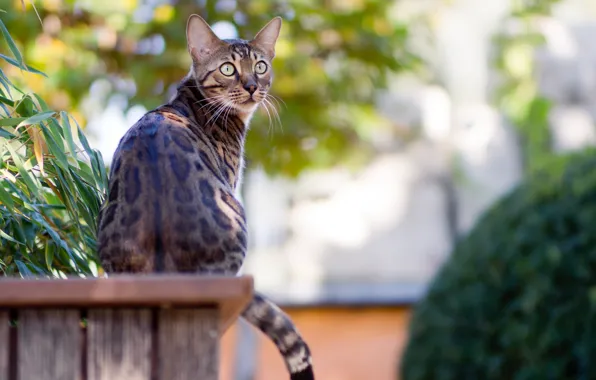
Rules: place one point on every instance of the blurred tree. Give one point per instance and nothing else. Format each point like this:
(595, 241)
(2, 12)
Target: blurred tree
(518, 96)
(331, 57)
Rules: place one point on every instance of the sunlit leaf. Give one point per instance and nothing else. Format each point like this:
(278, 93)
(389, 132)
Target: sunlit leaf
(35, 119)
(26, 67)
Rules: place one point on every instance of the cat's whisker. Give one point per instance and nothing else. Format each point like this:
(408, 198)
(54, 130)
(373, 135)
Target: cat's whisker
(212, 105)
(210, 100)
(219, 111)
(277, 99)
(269, 116)
(276, 113)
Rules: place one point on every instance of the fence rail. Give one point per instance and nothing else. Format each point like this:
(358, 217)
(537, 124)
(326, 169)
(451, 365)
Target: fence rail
(125, 327)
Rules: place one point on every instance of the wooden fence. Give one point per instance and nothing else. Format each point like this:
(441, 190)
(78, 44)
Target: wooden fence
(121, 328)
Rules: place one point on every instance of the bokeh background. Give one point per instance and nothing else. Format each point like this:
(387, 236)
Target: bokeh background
(400, 123)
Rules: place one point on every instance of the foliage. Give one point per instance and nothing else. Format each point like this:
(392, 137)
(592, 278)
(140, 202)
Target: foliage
(517, 299)
(331, 57)
(518, 95)
(51, 183)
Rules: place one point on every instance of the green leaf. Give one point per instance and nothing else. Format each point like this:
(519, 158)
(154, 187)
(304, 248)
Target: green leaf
(6, 83)
(49, 255)
(11, 121)
(36, 119)
(4, 235)
(7, 135)
(44, 105)
(5, 197)
(53, 147)
(67, 129)
(30, 181)
(53, 233)
(7, 101)
(23, 269)
(11, 44)
(26, 67)
(83, 139)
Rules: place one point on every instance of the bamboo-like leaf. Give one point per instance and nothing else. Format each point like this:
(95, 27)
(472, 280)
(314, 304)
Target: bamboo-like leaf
(31, 183)
(24, 67)
(49, 255)
(38, 146)
(6, 83)
(4, 235)
(44, 105)
(37, 118)
(23, 269)
(7, 101)
(83, 139)
(52, 232)
(11, 121)
(7, 135)
(68, 136)
(11, 45)
(5, 197)
(53, 148)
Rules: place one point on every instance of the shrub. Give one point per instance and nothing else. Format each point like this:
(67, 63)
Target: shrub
(51, 184)
(517, 298)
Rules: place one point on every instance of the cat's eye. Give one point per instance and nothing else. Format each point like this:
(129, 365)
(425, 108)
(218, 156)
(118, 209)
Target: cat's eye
(260, 67)
(227, 69)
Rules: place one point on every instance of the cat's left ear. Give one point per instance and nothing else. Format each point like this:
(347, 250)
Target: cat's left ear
(266, 38)
(202, 41)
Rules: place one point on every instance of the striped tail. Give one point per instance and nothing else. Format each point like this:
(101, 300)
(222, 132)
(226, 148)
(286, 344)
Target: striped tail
(277, 325)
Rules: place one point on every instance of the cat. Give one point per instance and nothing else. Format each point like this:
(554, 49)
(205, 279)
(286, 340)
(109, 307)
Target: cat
(171, 204)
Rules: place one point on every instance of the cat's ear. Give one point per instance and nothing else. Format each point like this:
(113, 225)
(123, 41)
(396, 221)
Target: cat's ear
(200, 38)
(266, 38)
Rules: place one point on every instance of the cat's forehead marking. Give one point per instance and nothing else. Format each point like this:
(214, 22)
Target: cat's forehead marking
(241, 49)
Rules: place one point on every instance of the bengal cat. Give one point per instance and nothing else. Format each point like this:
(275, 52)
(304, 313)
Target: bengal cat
(171, 203)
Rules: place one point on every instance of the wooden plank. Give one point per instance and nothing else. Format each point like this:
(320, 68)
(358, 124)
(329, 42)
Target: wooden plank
(230, 294)
(188, 344)
(119, 344)
(49, 344)
(4, 344)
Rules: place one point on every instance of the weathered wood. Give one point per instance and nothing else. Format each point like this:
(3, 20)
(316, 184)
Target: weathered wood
(119, 344)
(231, 294)
(188, 344)
(4, 344)
(49, 344)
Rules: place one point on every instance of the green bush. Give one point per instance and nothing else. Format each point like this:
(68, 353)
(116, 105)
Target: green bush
(517, 298)
(52, 184)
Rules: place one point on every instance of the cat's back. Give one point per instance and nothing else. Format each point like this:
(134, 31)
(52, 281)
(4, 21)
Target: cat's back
(156, 156)
(156, 184)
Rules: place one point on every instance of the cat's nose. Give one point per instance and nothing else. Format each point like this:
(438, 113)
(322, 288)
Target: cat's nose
(251, 87)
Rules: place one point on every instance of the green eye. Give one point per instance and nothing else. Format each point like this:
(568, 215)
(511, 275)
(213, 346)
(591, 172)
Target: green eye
(260, 67)
(227, 69)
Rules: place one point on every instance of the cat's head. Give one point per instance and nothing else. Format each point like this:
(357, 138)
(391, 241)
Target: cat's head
(236, 73)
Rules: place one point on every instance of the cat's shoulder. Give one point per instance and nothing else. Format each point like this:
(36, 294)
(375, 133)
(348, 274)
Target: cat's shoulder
(158, 121)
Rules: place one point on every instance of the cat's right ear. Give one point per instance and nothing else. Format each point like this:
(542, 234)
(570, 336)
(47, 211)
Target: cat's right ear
(200, 38)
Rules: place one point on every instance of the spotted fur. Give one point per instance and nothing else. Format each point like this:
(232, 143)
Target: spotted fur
(171, 204)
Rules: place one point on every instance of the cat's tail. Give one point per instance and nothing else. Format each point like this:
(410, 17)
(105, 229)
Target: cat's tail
(277, 325)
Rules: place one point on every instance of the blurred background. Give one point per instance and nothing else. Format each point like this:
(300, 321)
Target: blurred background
(400, 123)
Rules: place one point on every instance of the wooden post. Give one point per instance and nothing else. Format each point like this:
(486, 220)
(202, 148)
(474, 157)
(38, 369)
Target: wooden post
(4, 344)
(188, 344)
(119, 344)
(49, 344)
(137, 327)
